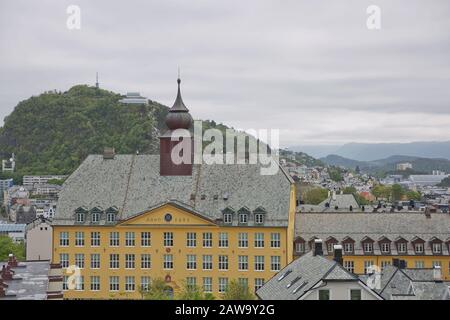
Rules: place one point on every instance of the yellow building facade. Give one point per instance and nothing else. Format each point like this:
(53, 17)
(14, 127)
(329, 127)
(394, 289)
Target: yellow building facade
(118, 261)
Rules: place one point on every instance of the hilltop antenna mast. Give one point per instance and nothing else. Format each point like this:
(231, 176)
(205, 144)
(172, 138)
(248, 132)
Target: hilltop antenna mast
(96, 83)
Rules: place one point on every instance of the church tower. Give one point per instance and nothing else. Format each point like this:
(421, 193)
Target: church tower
(177, 118)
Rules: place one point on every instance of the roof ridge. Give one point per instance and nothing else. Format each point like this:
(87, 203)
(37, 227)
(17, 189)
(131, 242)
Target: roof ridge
(133, 158)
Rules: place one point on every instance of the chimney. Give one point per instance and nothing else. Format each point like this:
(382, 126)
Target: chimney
(12, 262)
(333, 195)
(318, 251)
(108, 153)
(338, 254)
(437, 274)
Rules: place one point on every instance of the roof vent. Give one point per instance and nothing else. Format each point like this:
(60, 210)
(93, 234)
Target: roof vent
(108, 153)
(216, 196)
(293, 282)
(226, 196)
(318, 251)
(203, 196)
(192, 196)
(299, 287)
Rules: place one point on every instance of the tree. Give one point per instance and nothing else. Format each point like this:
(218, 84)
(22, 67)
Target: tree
(397, 192)
(7, 246)
(193, 292)
(315, 196)
(445, 182)
(58, 182)
(157, 290)
(237, 291)
(413, 195)
(335, 174)
(381, 191)
(349, 190)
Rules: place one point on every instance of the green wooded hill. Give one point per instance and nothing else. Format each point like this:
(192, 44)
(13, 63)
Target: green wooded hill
(52, 133)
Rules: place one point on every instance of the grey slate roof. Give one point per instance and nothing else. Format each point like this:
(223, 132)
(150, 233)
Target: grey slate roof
(374, 225)
(412, 284)
(311, 269)
(132, 183)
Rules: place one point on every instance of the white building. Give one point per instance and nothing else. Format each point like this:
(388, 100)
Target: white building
(30, 181)
(39, 240)
(404, 166)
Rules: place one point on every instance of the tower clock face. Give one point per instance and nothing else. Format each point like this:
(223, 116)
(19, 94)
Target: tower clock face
(168, 217)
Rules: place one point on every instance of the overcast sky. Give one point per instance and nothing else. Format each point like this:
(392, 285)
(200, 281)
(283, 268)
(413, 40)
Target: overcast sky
(309, 68)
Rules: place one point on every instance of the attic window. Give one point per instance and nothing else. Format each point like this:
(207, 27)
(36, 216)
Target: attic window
(243, 218)
(292, 282)
(80, 217)
(227, 218)
(110, 217)
(259, 218)
(95, 216)
(284, 275)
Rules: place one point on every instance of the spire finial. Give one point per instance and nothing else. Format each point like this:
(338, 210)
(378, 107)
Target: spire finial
(179, 77)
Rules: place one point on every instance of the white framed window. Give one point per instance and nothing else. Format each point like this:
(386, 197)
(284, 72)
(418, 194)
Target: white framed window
(191, 262)
(146, 239)
(65, 283)
(114, 239)
(330, 248)
(191, 239)
(259, 218)
(64, 260)
(95, 261)
(368, 266)
(207, 284)
(64, 239)
(110, 217)
(243, 218)
(259, 240)
(79, 260)
(348, 247)
(129, 284)
(79, 283)
(227, 218)
(355, 294)
(114, 283)
(223, 284)
(95, 217)
(437, 248)
(207, 262)
(95, 239)
(223, 262)
(80, 217)
(300, 247)
(207, 240)
(168, 261)
(145, 283)
(129, 261)
(242, 263)
(384, 264)
(419, 264)
(129, 239)
(114, 262)
(401, 247)
(259, 263)
(243, 240)
(259, 282)
(418, 247)
(349, 266)
(368, 247)
(191, 282)
(275, 240)
(275, 263)
(95, 283)
(79, 239)
(146, 261)
(385, 247)
(223, 240)
(435, 264)
(243, 282)
(168, 239)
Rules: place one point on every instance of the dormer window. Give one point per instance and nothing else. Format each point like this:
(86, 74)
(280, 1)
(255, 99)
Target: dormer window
(418, 247)
(243, 218)
(227, 218)
(80, 217)
(259, 213)
(110, 217)
(95, 217)
(259, 218)
(368, 247)
(437, 248)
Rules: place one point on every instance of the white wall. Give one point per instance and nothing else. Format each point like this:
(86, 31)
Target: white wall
(39, 242)
(341, 291)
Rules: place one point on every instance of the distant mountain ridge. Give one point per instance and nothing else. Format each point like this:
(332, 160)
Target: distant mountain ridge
(423, 165)
(375, 151)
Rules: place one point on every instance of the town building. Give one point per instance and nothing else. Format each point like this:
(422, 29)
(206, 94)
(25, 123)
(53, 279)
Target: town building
(30, 181)
(15, 231)
(421, 239)
(127, 219)
(314, 277)
(9, 165)
(39, 240)
(5, 184)
(134, 98)
(404, 166)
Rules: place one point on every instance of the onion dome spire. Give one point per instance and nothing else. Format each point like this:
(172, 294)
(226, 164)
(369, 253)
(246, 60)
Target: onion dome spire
(179, 116)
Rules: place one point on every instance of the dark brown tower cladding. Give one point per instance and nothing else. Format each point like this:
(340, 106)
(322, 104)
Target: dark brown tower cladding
(177, 118)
